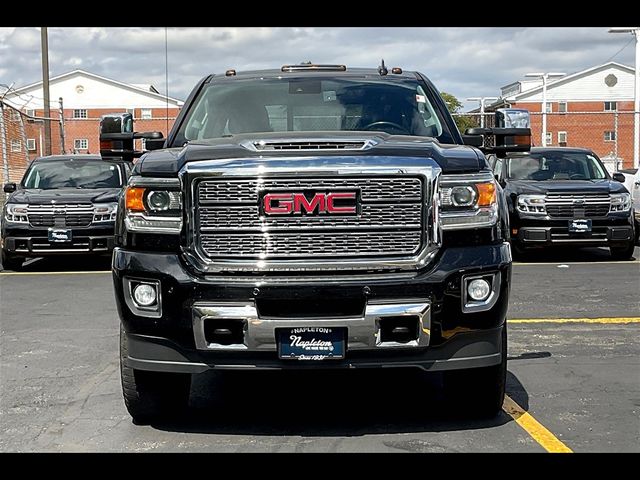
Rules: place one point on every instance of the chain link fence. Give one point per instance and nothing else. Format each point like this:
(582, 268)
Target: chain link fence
(608, 133)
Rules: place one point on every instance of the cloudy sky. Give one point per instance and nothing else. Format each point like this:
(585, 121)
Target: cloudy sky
(463, 61)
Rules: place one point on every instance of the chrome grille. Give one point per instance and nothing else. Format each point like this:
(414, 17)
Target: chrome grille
(307, 244)
(389, 222)
(372, 189)
(564, 205)
(69, 215)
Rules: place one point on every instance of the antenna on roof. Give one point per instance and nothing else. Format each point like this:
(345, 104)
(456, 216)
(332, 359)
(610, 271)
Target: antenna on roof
(382, 70)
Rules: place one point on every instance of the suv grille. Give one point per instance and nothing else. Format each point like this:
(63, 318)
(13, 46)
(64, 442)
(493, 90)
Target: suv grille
(590, 205)
(62, 215)
(389, 220)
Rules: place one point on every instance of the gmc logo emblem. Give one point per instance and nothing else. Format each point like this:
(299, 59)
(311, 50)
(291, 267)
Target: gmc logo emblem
(336, 203)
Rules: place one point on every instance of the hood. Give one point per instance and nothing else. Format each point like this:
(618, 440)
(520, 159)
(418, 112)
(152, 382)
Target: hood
(64, 195)
(451, 158)
(563, 186)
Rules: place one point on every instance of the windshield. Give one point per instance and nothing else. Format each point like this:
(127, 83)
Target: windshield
(556, 166)
(396, 106)
(73, 173)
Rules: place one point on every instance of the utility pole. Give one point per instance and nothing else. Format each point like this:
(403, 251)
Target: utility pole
(3, 140)
(635, 31)
(44, 41)
(545, 77)
(61, 111)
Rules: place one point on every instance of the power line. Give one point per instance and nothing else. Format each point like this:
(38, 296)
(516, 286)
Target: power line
(620, 51)
(166, 73)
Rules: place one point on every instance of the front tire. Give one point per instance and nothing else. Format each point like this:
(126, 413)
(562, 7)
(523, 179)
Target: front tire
(152, 396)
(479, 390)
(623, 253)
(9, 262)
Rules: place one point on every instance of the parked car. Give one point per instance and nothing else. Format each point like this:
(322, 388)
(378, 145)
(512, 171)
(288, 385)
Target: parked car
(565, 196)
(313, 216)
(64, 204)
(632, 184)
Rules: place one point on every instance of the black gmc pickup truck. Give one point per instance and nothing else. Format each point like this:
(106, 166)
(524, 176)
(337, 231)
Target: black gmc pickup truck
(65, 204)
(311, 217)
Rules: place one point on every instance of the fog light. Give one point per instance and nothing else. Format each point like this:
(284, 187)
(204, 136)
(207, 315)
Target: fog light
(145, 295)
(479, 289)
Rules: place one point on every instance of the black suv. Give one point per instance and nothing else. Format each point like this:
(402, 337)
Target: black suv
(565, 196)
(64, 204)
(313, 216)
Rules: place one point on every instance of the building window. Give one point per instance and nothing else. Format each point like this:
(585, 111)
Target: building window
(14, 115)
(562, 137)
(549, 107)
(610, 106)
(562, 107)
(31, 144)
(609, 136)
(80, 113)
(549, 139)
(81, 144)
(31, 112)
(145, 114)
(16, 146)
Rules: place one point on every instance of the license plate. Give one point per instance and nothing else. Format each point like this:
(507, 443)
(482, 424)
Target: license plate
(59, 235)
(580, 226)
(311, 343)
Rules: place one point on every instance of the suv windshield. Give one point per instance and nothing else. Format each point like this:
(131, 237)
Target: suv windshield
(73, 173)
(397, 106)
(555, 166)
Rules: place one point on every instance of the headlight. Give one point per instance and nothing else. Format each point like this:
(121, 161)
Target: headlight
(104, 212)
(153, 205)
(620, 202)
(16, 212)
(532, 204)
(468, 201)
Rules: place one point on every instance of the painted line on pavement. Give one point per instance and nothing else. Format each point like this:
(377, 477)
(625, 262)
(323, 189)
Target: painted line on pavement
(595, 262)
(102, 272)
(535, 429)
(613, 320)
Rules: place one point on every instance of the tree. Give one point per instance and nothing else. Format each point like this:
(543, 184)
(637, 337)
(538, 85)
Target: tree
(454, 106)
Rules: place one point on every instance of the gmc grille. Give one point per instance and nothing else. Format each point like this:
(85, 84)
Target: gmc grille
(389, 222)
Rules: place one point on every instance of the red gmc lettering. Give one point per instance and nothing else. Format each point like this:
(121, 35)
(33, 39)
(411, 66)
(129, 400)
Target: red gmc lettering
(331, 208)
(298, 203)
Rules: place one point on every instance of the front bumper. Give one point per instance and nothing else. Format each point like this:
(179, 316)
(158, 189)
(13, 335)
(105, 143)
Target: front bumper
(27, 241)
(614, 231)
(450, 336)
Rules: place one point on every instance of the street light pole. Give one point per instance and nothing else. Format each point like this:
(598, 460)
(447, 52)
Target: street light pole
(45, 88)
(635, 31)
(481, 100)
(544, 77)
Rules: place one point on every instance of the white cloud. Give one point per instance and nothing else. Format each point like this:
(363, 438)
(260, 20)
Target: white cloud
(463, 61)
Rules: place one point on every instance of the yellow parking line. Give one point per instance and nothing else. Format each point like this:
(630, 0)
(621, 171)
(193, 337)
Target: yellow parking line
(55, 273)
(576, 320)
(535, 429)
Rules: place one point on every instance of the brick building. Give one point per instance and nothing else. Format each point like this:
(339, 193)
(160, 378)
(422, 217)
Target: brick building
(592, 108)
(85, 97)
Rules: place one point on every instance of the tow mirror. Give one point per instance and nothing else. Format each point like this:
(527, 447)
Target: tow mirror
(512, 132)
(117, 137)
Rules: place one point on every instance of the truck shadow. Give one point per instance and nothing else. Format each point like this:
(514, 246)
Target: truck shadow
(328, 403)
(567, 254)
(67, 263)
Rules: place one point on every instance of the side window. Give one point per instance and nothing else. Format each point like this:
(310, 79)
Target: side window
(497, 169)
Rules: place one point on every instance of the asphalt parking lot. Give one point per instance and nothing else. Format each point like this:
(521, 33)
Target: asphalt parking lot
(573, 380)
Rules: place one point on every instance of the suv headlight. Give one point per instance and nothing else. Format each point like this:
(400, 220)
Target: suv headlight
(468, 201)
(620, 202)
(104, 212)
(16, 213)
(532, 204)
(153, 205)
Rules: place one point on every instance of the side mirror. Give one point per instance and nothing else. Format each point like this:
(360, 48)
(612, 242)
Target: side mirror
(618, 177)
(154, 143)
(473, 140)
(117, 137)
(9, 187)
(511, 133)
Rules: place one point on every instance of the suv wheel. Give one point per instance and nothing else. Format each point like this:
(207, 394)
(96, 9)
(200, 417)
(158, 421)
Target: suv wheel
(623, 253)
(480, 390)
(152, 395)
(9, 262)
